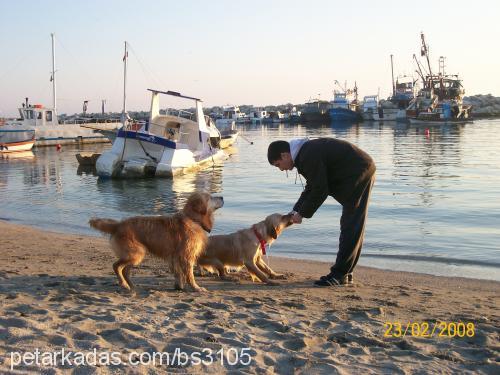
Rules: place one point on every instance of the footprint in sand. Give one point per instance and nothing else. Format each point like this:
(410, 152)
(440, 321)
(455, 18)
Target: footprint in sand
(253, 305)
(58, 340)
(182, 306)
(13, 322)
(217, 305)
(268, 324)
(82, 335)
(26, 310)
(132, 327)
(118, 336)
(322, 324)
(296, 345)
(294, 305)
(210, 315)
(216, 330)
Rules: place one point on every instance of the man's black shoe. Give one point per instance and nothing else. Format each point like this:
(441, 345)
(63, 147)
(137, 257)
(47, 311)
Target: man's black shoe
(331, 280)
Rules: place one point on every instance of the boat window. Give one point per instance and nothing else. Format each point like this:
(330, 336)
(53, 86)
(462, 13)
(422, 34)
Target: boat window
(29, 115)
(39, 115)
(48, 116)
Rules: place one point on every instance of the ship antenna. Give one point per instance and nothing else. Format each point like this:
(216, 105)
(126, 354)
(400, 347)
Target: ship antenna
(53, 78)
(392, 74)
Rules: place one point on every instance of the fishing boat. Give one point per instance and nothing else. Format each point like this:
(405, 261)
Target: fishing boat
(344, 106)
(48, 130)
(16, 141)
(393, 109)
(440, 101)
(169, 144)
(371, 110)
(315, 111)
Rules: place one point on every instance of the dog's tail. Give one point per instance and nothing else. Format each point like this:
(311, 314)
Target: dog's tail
(104, 225)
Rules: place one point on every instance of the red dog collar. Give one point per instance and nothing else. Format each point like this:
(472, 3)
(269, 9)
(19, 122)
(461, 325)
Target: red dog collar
(261, 240)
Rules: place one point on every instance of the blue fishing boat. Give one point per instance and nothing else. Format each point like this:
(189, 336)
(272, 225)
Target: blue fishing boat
(342, 107)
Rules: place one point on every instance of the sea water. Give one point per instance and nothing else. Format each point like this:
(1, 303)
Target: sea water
(435, 206)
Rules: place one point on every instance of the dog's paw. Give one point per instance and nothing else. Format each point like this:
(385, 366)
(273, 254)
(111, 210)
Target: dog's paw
(125, 286)
(200, 290)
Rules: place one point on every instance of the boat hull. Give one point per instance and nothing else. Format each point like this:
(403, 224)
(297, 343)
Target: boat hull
(16, 140)
(150, 156)
(343, 114)
(415, 121)
(386, 114)
(228, 140)
(9, 147)
(64, 134)
(314, 117)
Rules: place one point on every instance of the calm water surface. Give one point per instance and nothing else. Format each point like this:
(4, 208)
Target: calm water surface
(435, 206)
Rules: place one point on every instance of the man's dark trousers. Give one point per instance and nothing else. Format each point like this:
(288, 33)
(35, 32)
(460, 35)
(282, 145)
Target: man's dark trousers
(352, 230)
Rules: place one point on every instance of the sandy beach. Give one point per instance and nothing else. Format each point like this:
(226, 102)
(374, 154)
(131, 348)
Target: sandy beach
(58, 293)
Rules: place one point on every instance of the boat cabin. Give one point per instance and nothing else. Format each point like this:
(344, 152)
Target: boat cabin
(37, 115)
(182, 127)
(370, 102)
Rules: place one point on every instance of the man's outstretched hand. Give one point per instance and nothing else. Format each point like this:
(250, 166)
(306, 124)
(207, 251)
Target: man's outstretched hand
(296, 218)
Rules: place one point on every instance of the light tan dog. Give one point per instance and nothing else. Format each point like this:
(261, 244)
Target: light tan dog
(243, 248)
(179, 239)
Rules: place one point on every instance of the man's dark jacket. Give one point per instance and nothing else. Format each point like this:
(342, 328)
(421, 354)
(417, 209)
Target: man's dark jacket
(331, 167)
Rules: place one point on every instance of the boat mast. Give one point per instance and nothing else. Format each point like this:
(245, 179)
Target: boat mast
(54, 97)
(125, 56)
(419, 70)
(425, 52)
(392, 74)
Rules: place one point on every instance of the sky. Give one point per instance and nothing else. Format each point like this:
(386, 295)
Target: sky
(235, 52)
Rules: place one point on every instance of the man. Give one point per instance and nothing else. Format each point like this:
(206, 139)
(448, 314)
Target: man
(342, 170)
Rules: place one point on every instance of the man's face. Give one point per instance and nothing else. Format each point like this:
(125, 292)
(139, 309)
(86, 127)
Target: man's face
(285, 163)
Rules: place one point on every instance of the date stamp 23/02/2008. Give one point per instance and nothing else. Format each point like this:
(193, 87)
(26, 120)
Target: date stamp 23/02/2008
(429, 329)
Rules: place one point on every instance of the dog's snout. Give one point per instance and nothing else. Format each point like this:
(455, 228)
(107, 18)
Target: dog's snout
(288, 219)
(219, 201)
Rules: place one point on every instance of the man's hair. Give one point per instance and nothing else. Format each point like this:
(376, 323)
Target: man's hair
(275, 149)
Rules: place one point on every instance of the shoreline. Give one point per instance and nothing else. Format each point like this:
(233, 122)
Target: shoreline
(470, 266)
(58, 291)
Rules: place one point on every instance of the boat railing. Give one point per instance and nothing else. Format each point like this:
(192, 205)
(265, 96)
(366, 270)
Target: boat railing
(180, 113)
(90, 121)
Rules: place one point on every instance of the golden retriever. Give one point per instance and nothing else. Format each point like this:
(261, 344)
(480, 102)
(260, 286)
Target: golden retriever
(243, 248)
(179, 239)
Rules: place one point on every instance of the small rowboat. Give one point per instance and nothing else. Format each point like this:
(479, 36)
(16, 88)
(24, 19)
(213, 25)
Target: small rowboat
(16, 145)
(87, 158)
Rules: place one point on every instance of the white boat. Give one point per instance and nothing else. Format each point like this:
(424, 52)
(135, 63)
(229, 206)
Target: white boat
(370, 108)
(167, 145)
(48, 130)
(230, 114)
(16, 141)
(276, 116)
(258, 117)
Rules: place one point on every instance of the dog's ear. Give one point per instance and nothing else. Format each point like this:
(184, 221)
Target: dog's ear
(197, 203)
(271, 229)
